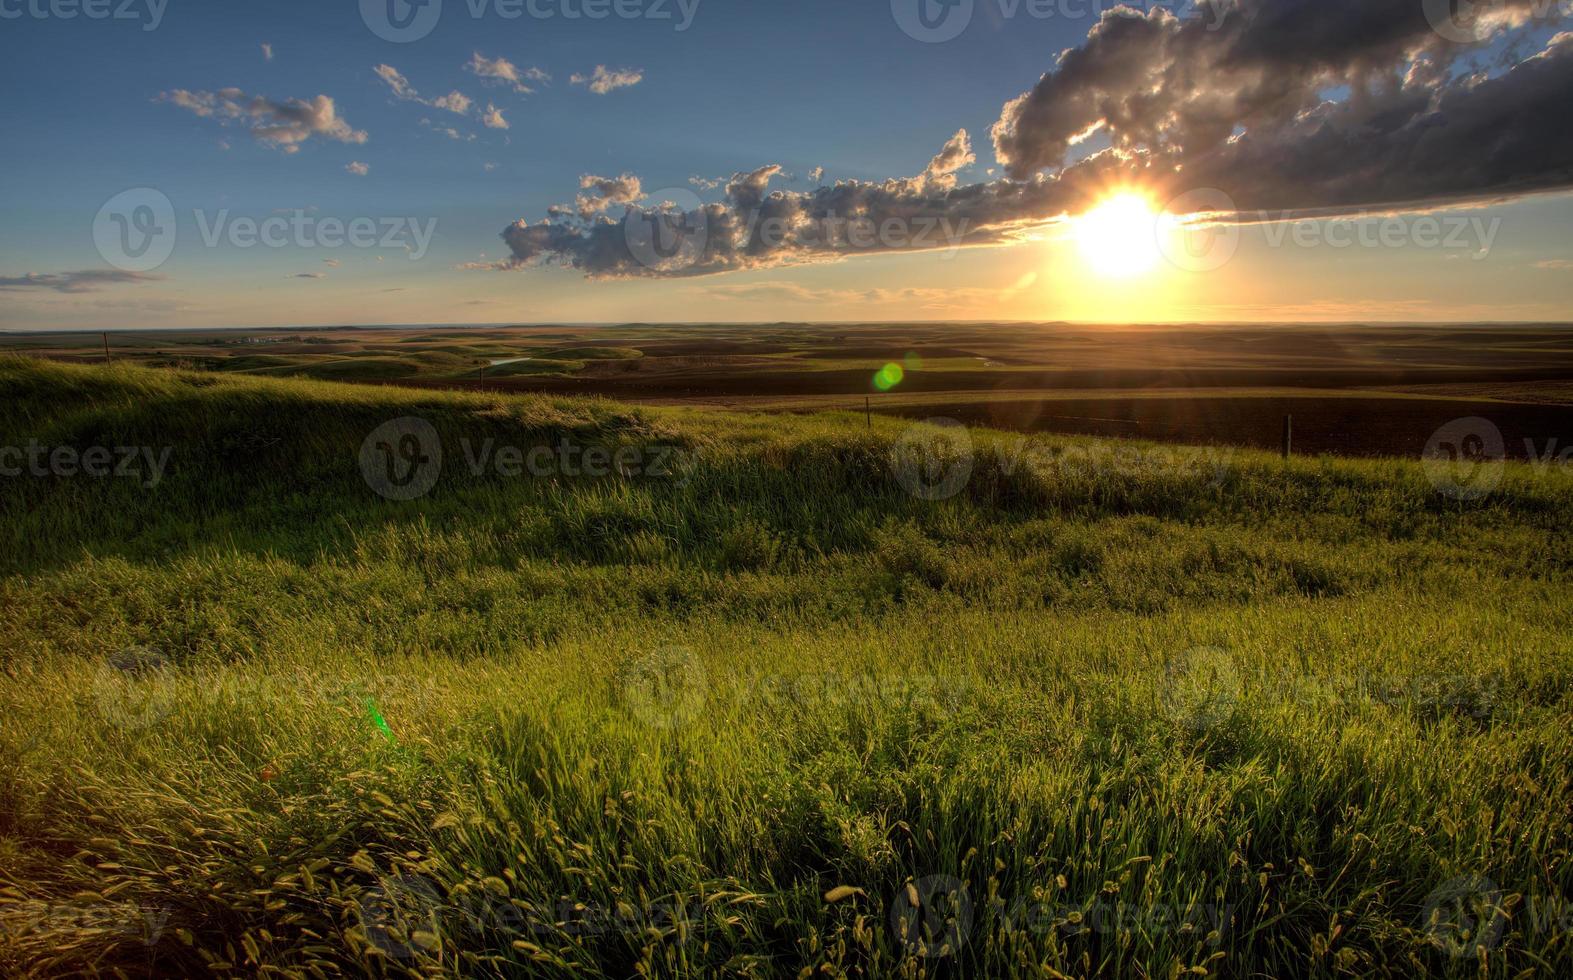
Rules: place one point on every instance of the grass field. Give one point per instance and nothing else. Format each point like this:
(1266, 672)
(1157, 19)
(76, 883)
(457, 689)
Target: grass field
(668, 692)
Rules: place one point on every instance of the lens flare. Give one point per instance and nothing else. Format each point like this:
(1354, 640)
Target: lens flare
(889, 376)
(377, 719)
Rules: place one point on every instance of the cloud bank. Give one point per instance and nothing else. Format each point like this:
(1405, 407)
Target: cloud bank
(1280, 107)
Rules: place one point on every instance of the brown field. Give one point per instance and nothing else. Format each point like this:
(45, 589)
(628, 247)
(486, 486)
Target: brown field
(1352, 390)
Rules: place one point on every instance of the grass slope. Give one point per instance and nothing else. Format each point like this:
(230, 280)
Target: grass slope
(1111, 710)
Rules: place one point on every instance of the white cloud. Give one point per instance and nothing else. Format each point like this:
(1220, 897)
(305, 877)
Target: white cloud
(503, 71)
(456, 102)
(604, 192)
(284, 125)
(83, 281)
(357, 168)
(449, 132)
(400, 85)
(926, 297)
(604, 80)
(493, 117)
(267, 52)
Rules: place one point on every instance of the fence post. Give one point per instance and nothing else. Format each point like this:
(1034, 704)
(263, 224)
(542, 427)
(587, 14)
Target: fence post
(1288, 435)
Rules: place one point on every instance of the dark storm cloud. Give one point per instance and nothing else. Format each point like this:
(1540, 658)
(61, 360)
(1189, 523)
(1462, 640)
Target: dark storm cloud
(1237, 99)
(1285, 106)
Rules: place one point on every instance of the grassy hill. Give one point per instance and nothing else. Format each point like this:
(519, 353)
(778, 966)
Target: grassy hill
(674, 693)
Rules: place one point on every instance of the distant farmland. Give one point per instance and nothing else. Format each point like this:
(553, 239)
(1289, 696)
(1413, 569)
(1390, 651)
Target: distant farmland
(1352, 390)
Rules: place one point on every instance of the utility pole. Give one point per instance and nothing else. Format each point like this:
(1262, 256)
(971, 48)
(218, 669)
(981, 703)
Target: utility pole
(868, 411)
(1288, 435)
(106, 350)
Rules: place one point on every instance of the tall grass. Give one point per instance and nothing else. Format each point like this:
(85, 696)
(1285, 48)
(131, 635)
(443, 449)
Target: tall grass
(1123, 713)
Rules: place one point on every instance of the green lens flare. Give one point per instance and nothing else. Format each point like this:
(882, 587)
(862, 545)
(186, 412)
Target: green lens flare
(889, 376)
(377, 719)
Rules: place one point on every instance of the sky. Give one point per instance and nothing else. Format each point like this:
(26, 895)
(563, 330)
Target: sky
(216, 163)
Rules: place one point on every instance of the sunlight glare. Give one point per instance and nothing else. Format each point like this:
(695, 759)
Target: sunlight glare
(1118, 237)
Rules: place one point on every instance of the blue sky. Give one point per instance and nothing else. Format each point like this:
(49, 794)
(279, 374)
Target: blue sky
(813, 83)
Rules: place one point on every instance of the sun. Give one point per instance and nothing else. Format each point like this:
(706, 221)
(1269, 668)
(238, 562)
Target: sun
(1118, 237)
